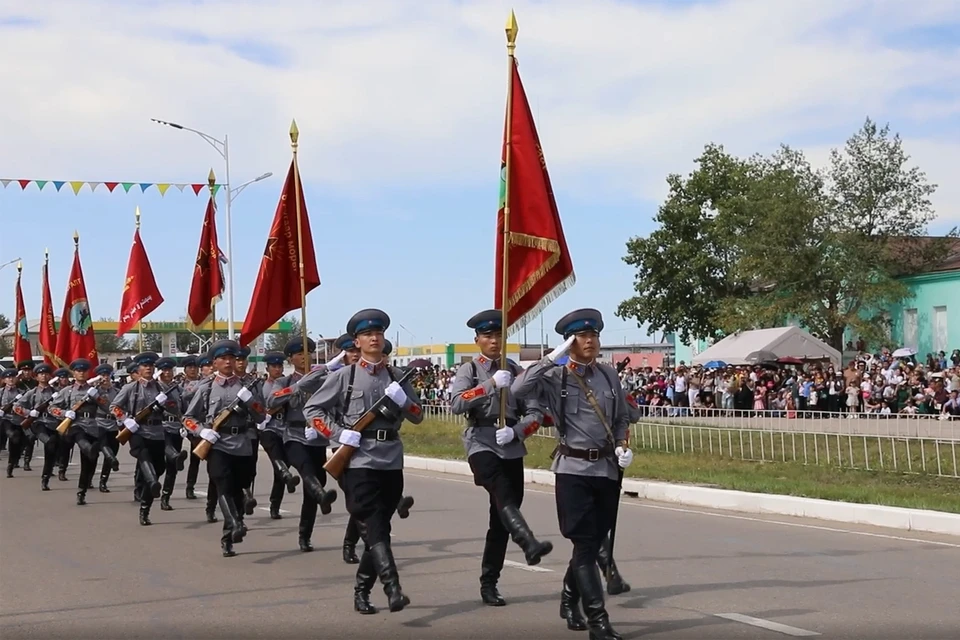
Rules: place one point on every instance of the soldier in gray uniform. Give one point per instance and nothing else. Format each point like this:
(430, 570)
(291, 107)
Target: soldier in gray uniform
(107, 423)
(271, 434)
(188, 387)
(9, 418)
(373, 481)
(591, 416)
(305, 446)
(174, 453)
(36, 403)
(253, 432)
(230, 461)
(80, 403)
(147, 444)
(62, 378)
(27, 382)
(495, 453)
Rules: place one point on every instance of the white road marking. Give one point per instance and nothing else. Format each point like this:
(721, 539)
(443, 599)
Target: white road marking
(267, 509)
(767, 624)
(730, 516)
(526, 567)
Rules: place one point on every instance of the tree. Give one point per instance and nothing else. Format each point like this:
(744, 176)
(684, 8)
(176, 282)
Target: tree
(5, 349)
(109, 343)
(186, 342)
(822, 247)
(277, 341)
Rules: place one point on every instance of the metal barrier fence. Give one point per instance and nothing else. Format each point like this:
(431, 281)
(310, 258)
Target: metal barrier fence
(873, 442)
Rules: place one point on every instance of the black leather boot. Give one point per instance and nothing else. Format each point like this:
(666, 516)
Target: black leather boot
(591, 594)
(62, 474)
(103, 485)
(10, 470)
(491, 563)
(249, 502)
(275, 511)
(323, 497)
(350, 552)
(304, 539)
(608, 567)
(26, 463)
(386, 568)
(111, 459)
(145, 515)
(181, 459)
(520, 531)
(45, 483)
(489, 593)
(289, 478)
(148, 478)
(165, 502)
(570, 603)
(212, 515)
(81, 497)
(231, 518)
(226, 546)
(403, 508)
(190, 493)
(366, 578)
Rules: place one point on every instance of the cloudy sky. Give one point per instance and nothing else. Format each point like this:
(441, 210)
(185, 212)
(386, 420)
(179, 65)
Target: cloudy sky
(400, 107)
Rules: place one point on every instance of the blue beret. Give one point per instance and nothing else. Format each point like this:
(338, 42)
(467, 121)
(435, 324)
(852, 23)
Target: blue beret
(189, 361)
(368, 320)
(132, 367)
(26, 364)
(346, 342)
(296, 346)
(486, 321)
(62, 372)
(274, 357)
(81, 364)
(104, 370)
(147, 358)
(204, 360)
(8, 373)
(222, 348)
(43, 367)
(166, 363)
(578, 321)
(387, 347)
(243, 353)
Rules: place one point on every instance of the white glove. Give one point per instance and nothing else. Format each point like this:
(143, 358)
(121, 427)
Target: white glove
(161, 398)
(33, 413)
(209, 435)
(19, 395)
(505, 435)
(310, 433)
(184, 433)
(92, 392)
(624, 457)
(244, 394)
(349, 438)
(70, 414)
(337, 362)
(502, 378)
(2, 413)
(396, 393)
(263, 425)
(560, 351)
(131, 425)
(55, 394)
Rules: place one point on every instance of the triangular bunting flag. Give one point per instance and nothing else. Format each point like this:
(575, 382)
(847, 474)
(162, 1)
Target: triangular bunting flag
(6, 182)
(180, 186)
(111, 186)
(94, 185)
(126, 186)
(216, 188)
(162, 188)
(196, 189)
(58, 184)
(76, 185)
(41, 184)
(24, 183)
(144, 186)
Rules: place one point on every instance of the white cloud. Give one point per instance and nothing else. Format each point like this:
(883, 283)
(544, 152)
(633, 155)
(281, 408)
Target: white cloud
(396, 92)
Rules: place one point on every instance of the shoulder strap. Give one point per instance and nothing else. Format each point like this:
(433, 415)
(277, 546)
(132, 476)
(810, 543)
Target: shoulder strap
(473, 368)
(562, 418)
(596, 407)
(393, 378)
(613, 390)
(346, 396)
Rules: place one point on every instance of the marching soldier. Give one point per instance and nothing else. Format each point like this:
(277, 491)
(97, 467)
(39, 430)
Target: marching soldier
(188, 387)
(173, 438)
(28, 381)
(147, 442)
(108, 424)
(495, 453)
(305, 447)
(349, 354)
(253, 432)
(591, 420)
(373, 480)
(10, 419)
(231, 456)
(35, 404)
(62, 378)
(271, 434)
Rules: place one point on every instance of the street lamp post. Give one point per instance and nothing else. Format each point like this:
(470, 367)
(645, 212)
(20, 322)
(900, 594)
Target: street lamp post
(223, 148)
(7, 264)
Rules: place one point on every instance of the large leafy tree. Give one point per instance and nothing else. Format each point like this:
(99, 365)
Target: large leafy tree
(277, 341)
(109, 343)
(5, 348)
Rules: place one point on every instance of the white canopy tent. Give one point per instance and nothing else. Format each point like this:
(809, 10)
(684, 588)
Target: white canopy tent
(785, 342)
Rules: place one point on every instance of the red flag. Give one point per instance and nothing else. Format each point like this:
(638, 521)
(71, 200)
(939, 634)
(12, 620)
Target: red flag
(278, 284)
(539, 266)
(48, 328)
(76, 339)
(141, 296)
(207, 286)
(21, 336)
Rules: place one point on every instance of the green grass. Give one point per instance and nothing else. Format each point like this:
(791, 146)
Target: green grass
(692, 465)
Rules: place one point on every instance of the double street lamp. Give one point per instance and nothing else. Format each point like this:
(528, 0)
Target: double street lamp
(222, 147)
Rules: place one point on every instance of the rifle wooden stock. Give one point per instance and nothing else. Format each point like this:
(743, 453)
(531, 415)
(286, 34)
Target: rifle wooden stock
(202, 450)
(338, 462)
(65, 424)
(29, 420)
(123, 436)
(7, 408)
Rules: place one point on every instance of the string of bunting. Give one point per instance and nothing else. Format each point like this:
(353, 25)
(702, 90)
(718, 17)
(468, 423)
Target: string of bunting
(77, 185)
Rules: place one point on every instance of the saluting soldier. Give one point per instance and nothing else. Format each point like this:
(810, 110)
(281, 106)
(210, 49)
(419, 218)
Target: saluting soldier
(230, 461)
(10, 420)
(591, 419)
(108, 424)
(36, 403)
(271, 434)
(305, 446)
(373, 480)
(174, 455)
(147, 442)
(495, 453)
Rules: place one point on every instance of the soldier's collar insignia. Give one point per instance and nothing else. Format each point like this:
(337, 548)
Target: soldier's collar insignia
(578, 367)
(223, 381)
(370, 367)
(484, 362)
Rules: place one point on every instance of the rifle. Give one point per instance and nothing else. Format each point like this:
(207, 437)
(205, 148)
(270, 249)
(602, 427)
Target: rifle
(124, 435)
(65, 424)
(29, 420)
(338, 462)
(202, 450)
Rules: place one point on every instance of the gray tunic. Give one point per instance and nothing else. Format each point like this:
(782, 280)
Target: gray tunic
(34, 399)
(290, 395)
(173, 409)
(212, 396)
(584, 429)
(11, 396)
(187, 390)
(325, 411)
(132, 398)
(270, 386)
(479, 399)
(77, 394)
(106, 419)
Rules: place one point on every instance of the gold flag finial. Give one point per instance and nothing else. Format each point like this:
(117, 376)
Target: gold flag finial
(138, 217)
(294, 133)
(46, 255)
(76, 238)
(512, 29)
(19, 267)
(211, 179)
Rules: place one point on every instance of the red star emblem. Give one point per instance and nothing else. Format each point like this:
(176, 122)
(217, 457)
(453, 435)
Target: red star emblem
(271, 247)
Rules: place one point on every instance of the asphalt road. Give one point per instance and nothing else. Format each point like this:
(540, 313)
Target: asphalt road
(93, 572)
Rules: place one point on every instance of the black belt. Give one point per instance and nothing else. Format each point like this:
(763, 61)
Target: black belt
(233, 431)
(380, 435)
(296, 424)
(153, 422)
(493, 425)
(87, 415)
(171, 419)
(590, 455)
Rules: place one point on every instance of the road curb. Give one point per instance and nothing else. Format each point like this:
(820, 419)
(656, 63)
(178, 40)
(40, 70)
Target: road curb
(744, 501)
